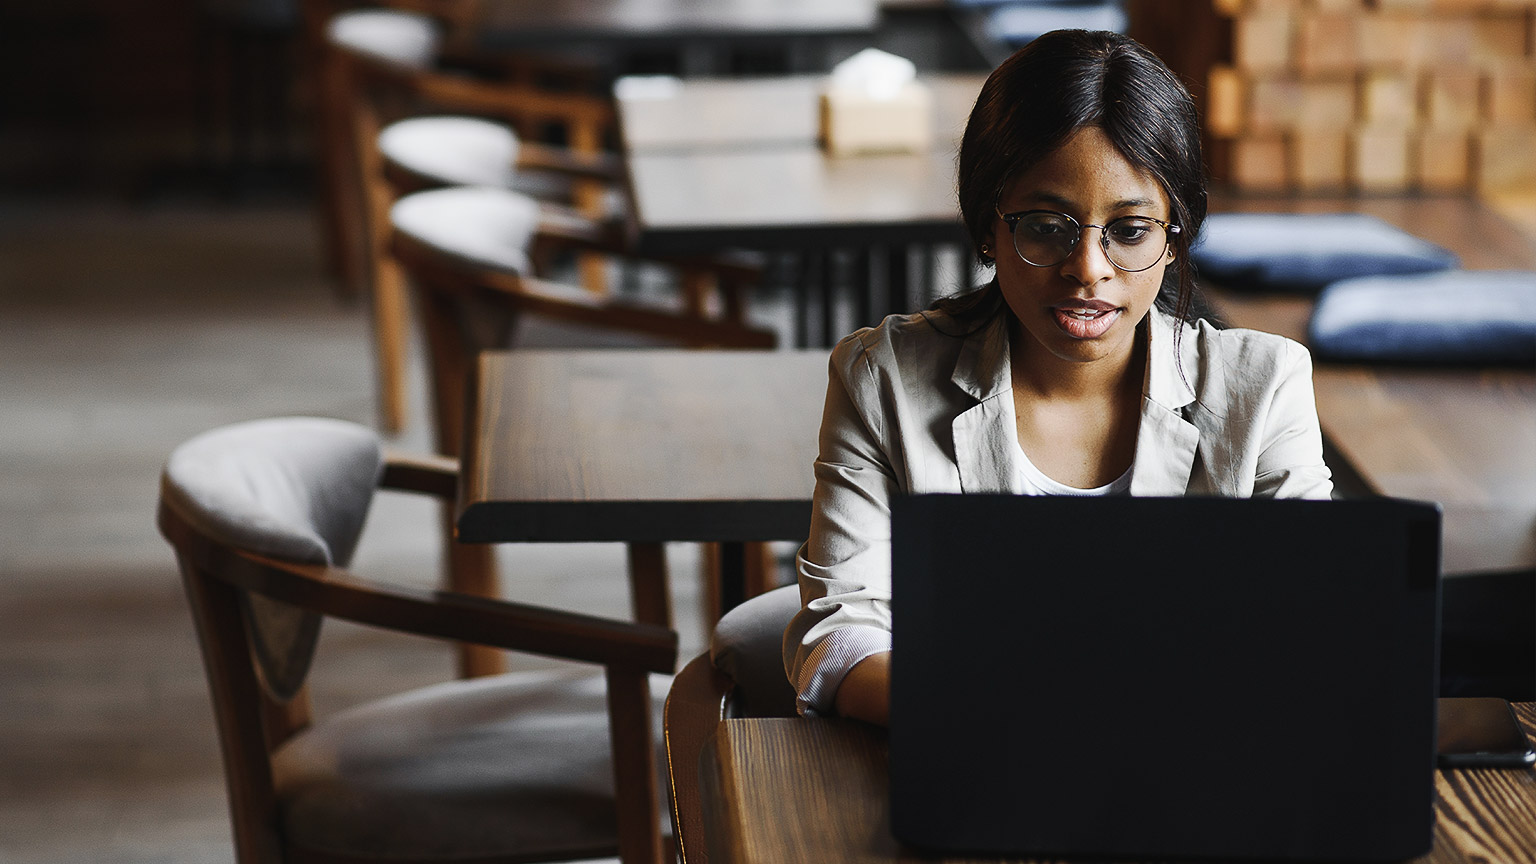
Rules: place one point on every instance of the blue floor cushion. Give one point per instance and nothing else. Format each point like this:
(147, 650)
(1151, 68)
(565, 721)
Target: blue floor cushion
(1303, 252)
(1452, 317)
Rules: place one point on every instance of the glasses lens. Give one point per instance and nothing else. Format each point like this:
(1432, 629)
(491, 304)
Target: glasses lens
(1133, 243)
(1044, 239)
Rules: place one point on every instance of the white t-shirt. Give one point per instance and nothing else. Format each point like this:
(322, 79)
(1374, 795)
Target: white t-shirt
(1036, 483)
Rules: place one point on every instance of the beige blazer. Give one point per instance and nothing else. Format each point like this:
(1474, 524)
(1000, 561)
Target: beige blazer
(910, 409)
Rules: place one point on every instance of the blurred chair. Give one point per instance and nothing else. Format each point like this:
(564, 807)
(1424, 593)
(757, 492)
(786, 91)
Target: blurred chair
(741, 676)
(384, 69)
(264, 517)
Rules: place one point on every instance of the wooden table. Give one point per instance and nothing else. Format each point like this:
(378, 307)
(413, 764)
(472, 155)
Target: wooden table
(643, 446)
(1465, 438)
(602, 28)
(783, 790)
(714, 164)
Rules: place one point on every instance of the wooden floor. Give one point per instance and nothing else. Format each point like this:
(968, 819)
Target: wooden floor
(123, 332)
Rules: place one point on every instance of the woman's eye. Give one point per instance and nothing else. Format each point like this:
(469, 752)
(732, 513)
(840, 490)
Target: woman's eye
(1044, 229)
(1130, 233)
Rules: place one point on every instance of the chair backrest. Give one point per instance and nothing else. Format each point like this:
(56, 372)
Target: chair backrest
(747, 646)
(295, 489)
(742, 676)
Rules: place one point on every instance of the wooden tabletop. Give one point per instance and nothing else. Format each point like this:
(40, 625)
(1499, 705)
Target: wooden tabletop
(715, 163)
(1466, 437)
(511, 24)
(645, 445)
(782, 790)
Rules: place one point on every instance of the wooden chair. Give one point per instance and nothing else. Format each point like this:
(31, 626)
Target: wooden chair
(513, 768)
(382, 72)
(741, 676)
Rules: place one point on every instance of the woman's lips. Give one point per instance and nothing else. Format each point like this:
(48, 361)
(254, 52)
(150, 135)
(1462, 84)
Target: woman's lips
(1085, 319)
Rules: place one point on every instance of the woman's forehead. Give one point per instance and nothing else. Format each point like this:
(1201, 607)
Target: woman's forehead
(1086, 171)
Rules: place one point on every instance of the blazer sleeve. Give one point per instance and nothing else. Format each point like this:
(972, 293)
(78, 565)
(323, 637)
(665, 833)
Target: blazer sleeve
(1290, 462)
(844, 566)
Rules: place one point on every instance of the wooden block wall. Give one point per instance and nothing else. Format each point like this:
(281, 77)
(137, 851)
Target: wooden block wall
(1372, 95)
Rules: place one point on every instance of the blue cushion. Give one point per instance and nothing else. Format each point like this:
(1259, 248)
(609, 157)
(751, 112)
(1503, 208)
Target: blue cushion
(1460, 316)
(1304, 252)
(1021, 23)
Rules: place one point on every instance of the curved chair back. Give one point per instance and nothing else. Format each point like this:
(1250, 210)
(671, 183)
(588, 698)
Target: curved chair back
(741, 676)
(297, 490)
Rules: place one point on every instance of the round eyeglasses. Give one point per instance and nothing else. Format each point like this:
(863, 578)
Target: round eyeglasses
(1045, 238)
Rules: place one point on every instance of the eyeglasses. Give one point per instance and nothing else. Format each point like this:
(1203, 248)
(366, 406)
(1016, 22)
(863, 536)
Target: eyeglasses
(1045, 238)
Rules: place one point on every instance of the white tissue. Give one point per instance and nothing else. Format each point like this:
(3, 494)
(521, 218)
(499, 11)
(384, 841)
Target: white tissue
(873, 73)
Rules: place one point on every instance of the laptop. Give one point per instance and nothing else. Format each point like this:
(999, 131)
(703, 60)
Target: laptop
(1164, 678)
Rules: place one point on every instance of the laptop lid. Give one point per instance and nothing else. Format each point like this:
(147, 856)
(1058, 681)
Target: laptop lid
(1190, 677)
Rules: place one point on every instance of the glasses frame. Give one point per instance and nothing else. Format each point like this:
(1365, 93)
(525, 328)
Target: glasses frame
(1012, 221)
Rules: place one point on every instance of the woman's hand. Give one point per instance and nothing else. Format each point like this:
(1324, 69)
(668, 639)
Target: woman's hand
(865, 693)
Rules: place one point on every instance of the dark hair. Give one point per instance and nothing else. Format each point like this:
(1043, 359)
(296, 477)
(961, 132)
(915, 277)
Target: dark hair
(1064, 81)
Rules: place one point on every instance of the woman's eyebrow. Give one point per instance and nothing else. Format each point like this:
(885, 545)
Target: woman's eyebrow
(1066, 203)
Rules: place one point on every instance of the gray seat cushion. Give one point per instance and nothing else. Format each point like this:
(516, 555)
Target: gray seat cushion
(513, 763)
(487, 226)
(294, 488)
(393, 36)
(1458, 316)
(748, 646)
(452, 151)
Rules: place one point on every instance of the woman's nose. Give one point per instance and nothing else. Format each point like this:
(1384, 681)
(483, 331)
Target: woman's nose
(1088, 264)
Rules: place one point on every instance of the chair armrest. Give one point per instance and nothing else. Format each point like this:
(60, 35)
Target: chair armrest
(577, 304)
(512, 101)
(426, 473)
(568, 227)
(521, 627)
(542, 157)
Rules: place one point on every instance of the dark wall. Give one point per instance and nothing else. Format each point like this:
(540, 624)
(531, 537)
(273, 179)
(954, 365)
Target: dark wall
(123, 93)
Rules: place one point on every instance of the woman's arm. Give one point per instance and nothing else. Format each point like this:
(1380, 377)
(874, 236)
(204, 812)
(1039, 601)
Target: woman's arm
(844, 566)
(865, 693)
(1290, 465)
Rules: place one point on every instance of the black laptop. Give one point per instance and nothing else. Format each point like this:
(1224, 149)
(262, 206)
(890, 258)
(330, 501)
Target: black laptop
(1164, 678)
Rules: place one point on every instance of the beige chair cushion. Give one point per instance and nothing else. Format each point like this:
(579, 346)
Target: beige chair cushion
(406, 38)
(487, 226)
(490, 766)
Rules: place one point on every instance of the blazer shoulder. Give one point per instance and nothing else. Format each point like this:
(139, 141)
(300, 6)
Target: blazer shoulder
(1238, 365)
(1247, 350)
(892, 344)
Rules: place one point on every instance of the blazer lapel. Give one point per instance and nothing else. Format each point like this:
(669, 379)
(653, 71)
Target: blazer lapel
(1166, 443)
(985, 435)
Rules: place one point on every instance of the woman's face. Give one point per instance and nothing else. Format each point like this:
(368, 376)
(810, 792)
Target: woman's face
(1083, 309)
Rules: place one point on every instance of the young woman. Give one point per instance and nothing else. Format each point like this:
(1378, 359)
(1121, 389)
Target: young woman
(1079, 370)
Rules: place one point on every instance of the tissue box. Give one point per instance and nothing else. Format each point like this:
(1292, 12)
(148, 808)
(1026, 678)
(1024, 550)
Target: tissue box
(853, 121)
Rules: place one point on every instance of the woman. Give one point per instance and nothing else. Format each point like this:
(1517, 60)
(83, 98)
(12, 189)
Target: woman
(1078, 370)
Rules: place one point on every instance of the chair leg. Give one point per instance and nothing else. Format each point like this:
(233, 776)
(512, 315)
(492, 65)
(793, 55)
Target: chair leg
(391, 340)
(761, 570)
(634, 766)
(649, 597)
(472, 570)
